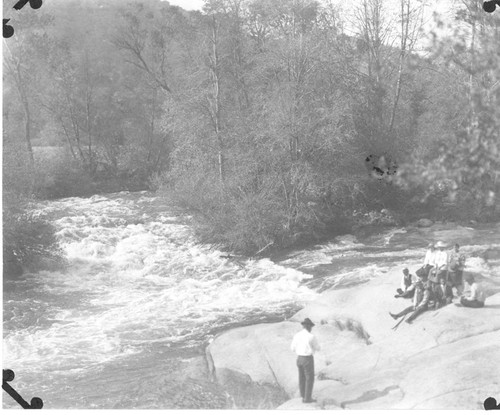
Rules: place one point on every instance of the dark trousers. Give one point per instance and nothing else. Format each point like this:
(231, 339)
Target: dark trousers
(419, 310)
(306, 376)
(458, 281)
(415, 312)
(471, 303)
(405, 311)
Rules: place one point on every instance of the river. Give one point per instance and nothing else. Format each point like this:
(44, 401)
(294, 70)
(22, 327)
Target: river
(139, 299)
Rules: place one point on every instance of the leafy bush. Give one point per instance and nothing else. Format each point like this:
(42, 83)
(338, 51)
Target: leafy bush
(60, 176)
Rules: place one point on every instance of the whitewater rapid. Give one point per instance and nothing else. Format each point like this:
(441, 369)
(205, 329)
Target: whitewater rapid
(136, 277)
(137, 287)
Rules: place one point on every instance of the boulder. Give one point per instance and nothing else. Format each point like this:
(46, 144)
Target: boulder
(262, 352)
(441, 361)
(424, 223)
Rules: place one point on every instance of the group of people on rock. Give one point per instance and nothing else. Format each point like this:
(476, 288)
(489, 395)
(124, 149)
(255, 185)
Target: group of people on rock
(433, 284)
(431, 287)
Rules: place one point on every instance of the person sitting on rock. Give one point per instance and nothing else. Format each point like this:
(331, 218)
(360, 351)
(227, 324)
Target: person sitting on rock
(304, 344)
(407, 285)
(428, 261)
(423, 305)
(421, 300)
(476, 297)
(440, 265)
(456, 268)
(443, 293)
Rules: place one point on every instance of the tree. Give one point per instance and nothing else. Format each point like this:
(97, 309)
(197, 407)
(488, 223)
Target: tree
(20, 63)
(464, 169)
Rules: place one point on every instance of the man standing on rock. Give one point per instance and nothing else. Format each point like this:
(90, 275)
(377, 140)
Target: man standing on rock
(304, 344)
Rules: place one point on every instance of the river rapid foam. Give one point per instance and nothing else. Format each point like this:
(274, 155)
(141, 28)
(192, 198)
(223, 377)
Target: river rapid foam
(139, 295)
(136, 283)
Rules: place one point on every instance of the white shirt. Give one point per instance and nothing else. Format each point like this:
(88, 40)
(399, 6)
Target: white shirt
(304, 343)
(476, 293)
(429, 257)
(412, 282)
(441, 259)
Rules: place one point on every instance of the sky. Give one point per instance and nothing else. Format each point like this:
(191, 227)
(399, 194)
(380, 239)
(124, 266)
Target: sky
(188, 4)
(443, 7)
(197, 4)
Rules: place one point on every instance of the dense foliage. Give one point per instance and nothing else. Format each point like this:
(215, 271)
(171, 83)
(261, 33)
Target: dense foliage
(274, 122)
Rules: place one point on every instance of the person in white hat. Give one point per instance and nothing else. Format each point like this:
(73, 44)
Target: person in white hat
(304, 344)
(428, 261)
(441, 261)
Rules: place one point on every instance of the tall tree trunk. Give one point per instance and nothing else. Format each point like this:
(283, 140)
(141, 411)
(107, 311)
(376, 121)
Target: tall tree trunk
(27, 129)
(405, 23)
(216, 105)
(27, 113)
(88, 104)
(151, 127)
(472, 68)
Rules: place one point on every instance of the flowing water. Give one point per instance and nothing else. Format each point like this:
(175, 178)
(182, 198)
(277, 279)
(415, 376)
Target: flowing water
(138, 300)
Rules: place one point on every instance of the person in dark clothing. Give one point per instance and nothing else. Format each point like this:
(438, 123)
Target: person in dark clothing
(407, 285)
(421, 300)
(457, 265)
(304, 344)
(423, 305)
(443, 294)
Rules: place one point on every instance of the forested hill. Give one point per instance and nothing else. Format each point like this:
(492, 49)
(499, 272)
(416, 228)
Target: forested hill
(264, 117)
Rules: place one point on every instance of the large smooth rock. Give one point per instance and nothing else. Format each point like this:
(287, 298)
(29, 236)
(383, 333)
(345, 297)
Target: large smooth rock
(262, 352)
(444, 360)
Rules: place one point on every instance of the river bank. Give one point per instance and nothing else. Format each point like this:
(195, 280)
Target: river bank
(441, 361)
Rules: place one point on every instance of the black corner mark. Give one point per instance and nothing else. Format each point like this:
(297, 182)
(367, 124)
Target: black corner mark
(8, 30)
(8, 376)
(489, 6)
(491, 403)
(35, 4)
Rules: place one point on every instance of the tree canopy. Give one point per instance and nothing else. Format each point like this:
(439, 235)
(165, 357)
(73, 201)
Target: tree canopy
(267, 118)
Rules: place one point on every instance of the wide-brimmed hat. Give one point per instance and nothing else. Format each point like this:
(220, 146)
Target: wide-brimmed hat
(440, 244)
(307, 323)
(431, 245)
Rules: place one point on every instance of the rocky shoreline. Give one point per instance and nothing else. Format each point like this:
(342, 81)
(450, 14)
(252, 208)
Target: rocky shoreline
(446, 359)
